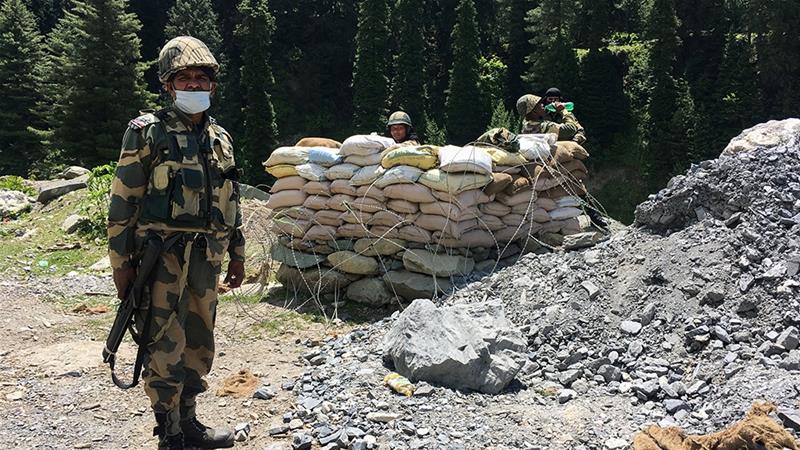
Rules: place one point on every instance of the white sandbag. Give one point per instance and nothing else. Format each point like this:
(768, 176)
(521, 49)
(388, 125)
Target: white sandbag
(536, 147)
(399, 175)
(311, 172)
(565, 213)
(292, 156)
(469, 158)
(341, 172)
(325, 157)
(571, 201)
(363, 161)
(367, 175)
(364, 145)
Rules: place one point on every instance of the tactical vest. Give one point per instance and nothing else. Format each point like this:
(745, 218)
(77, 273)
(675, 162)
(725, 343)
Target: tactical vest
(193, 178)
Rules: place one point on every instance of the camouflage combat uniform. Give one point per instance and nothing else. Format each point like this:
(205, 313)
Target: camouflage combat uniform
(562, 123)
(176, 177)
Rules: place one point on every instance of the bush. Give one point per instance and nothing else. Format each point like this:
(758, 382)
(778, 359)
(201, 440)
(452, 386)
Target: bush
(17, 183)
(95, 205)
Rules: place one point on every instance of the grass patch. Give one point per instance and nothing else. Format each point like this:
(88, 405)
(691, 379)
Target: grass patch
(284, 322)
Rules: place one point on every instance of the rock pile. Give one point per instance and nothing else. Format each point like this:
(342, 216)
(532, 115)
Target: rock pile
(683, 322)
(387, 221)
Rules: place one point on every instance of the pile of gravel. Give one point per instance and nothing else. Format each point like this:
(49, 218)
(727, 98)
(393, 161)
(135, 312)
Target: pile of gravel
(684, 320)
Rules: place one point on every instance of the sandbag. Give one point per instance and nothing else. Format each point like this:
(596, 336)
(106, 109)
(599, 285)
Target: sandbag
(311, 172)
(399, 175)
(567, 151)
(575, 165)
(423, 261)
(351, 230)
(572, 201)
(575, 225)
(290, 227)
(318, 188)
(341, 172)
(513, 220)
(524, 197)
(507, 169)
(367, 204)
(296, 212)
(422, 157)
(380, 232)
(564, 213)
(293, 156)
(499, 182)
(414, 233)
(465, 199)
(546, 203)
(294, 183)
(364, 145)
(520, 184)
(316, 202)
(453, 183)
(355, 216)
(536, 147)
(367, 175)
(340, 202)
(403, 206)
(282, 170)
(491, 223)
(371, 191)
(325, 157)
(286, 199)
(318, 142)
(320, 233)
(450, 211)
(464, 159)
(495, 208)
(532, 212)
(343, 187)
(328, 217)
(470, 239)
(503, 158)
(434, 222)
(387, 219)
(363, 161)
(415, 193)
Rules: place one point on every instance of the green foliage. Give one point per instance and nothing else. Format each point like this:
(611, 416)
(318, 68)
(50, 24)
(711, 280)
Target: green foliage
(21, 59)
(94, 206)
(602, 107)
(519, 47)
(503, 118)
(370, 82)
(492, 77)
(94, 81)
(17, 183)
(408, 86)
(261, 132)
(436, 135)
(466, 106)
(554, 62)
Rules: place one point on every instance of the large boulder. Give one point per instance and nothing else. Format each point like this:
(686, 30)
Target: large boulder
(13, 203)
(49, 190)
(73, 172)
(248, 192)
(370, 291)
(437, 264)
(466, 346)
(379, 247)
(411, 286)
(72, 223)
(294, 258)
(765, 135)
(350, 262)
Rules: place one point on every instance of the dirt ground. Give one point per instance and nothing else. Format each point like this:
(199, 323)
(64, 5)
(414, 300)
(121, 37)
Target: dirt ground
(56, 393)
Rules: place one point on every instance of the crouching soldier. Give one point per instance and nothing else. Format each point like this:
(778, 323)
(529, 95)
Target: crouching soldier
(538, 120)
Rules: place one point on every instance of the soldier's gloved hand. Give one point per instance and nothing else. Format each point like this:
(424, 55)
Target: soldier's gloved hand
(122, 279)
(235, 274)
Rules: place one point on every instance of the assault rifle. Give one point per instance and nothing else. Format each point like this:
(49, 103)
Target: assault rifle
(125, 315)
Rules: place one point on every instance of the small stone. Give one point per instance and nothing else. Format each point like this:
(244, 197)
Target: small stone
(673, 406)
(630, 327)
(279, 430)
(746, 306)
(566, 395)
(423, 390)
(610, 373)
(791, 419)
(769, 348)
(698, 387)
(382, 417)
(566, 378)
(264, 393)
(295, 424)
(789, 339)
(616, 444)
(713, 296)
(591, 289)
(635, 349)
(241, 432)
(359, 444)
(310, 403)
(301, 441)
(648, 314)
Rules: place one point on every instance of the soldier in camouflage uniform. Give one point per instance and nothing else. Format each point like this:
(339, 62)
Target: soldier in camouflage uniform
(538, 120)
(400, 128)
(177, 177)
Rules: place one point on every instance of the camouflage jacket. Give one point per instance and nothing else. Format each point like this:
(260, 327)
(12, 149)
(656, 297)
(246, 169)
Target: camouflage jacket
(563, 123)
(172, 177)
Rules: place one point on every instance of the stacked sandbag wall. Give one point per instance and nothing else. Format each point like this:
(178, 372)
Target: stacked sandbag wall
(378, 221)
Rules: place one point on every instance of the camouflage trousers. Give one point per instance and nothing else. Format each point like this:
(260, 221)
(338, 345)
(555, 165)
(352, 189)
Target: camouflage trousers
(183, 303)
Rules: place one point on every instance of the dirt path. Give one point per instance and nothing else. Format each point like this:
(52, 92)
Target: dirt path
(55, 393)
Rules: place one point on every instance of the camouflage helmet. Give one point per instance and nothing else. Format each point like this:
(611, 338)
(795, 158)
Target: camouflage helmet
(399, 118)
(527, 103)
(181, 53)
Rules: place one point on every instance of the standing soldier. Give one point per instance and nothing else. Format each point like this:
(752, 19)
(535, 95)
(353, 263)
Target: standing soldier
(177, 181)
(536, 119)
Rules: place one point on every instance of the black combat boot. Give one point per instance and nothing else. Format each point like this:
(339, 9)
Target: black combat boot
(165, 441)
(195, 434)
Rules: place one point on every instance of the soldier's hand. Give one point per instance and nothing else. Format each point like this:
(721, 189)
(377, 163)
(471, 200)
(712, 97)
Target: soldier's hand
(559, 106)
(235, 274)
(122, 279)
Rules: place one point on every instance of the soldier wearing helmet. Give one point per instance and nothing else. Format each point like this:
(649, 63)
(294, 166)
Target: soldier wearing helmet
(400, 128)
(177, 182)
(537, 120)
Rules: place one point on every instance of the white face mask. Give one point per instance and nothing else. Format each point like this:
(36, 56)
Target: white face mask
(192, 102)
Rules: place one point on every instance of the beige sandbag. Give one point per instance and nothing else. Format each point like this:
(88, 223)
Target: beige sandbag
(355, 216)
(367, 204)
(466, 199)
(576, 225)
(403, 206)
(547, 204)
(567, 151)
(295, 212)
(471, 239)
(572, 166)
(414, 193)
(544, 184)
(340, 202)
(490, 222)
(495, 208)
(379, 232)
(371, 191)
(433, 222)
(511, 234)
(577, 175)
(536, 214)
(387, 219)
(343, 187)
(318, 188)
(450, 211)
(294, 183)
(316, 202)
(526, 197)
(290, 227)
(510, 170)
(399, 175)
(351, 230)
(500, 181)
(520, 184)
(282, 171)
(320, 233)
(367, 175)
(414, 233)
(363, 161)
(453, 183)
(566, 189)
(293, 156)
(318, 142)
(286, 199)
(553, 226)
(341, 171)
(503, 158)
(572, 201)
(328, 217)
(440, 265)
(513, 220)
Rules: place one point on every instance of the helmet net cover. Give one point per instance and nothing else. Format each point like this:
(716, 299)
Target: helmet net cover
(182, 53)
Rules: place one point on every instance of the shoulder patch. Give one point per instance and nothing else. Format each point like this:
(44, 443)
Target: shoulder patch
(142, 121)
(221, 131)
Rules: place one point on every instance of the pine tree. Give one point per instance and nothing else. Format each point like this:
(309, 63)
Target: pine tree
(554, 62)
(467, 113)
(21, 59)
(370, 67)
(95, 83)
(257, 82)
(519, 47)
(670, 110)
(408, 87)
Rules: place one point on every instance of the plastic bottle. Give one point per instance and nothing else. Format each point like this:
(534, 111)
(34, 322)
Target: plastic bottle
(569, 106)
(399, 384)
